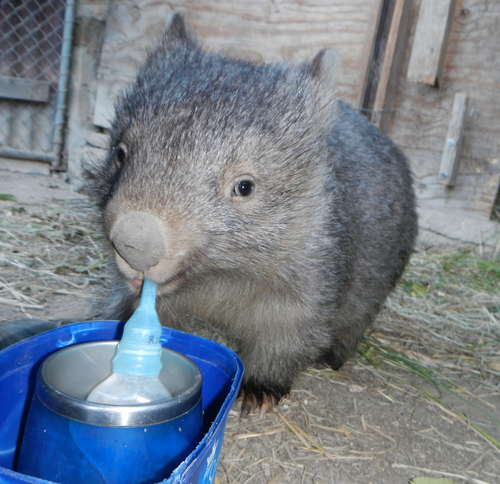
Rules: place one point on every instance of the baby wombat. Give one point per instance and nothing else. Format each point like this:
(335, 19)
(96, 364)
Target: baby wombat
(269, 213)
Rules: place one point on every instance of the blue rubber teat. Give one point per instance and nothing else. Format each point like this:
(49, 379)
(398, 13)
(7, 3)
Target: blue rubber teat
(139, 351)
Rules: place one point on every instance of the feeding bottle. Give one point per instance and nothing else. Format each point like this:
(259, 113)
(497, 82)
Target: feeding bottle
(137, 362)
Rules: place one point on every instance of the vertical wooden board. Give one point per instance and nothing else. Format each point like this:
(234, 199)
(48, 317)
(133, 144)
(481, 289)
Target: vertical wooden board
(451, 151)
(430, 42)
(392, 64)
(368, 53)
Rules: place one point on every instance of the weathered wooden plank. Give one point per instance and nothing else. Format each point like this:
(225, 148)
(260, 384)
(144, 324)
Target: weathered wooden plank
(369, 53)
(472, 195)
(392, 64)
(453, 143)
(260, 30)
(476, 187)
(430, 42)
(24, 89)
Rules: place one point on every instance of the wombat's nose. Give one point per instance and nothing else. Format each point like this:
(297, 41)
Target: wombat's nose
(140, 239)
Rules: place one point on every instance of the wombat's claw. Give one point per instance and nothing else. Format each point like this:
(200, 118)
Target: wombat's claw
(267, 405)
(249, 402)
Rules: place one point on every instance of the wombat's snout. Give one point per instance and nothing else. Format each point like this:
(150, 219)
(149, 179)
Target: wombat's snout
(140, 239)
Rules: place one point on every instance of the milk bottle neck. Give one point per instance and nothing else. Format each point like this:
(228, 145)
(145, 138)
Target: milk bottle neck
(139, 351)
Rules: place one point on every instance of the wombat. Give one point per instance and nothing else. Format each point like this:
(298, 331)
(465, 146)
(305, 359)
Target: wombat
(269, 213)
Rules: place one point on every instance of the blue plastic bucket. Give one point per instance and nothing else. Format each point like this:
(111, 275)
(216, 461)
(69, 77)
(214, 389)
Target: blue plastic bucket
(221, 371)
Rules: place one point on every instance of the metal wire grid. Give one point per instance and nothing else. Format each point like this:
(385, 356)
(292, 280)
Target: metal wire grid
(33, 45)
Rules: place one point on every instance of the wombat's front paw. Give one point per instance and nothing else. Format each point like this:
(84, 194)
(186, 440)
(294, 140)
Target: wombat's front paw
(263, 397)
(250, 401)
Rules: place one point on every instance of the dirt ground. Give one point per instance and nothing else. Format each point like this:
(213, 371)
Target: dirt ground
(420, 400)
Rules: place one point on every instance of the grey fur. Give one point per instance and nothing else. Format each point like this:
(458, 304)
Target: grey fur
(293, 273)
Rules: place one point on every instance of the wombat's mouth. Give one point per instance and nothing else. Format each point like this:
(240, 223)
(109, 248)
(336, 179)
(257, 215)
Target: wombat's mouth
(137, 282)
(167, 274)
(164, 287)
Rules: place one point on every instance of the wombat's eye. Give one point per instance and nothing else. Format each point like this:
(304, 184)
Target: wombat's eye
(243, 188)
(120, 154)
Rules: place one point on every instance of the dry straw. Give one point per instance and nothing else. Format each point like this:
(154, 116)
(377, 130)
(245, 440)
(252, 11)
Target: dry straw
(48, 250)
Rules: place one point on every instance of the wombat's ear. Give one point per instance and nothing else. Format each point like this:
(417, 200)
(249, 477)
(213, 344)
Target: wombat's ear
(324, 68)
(175, 30)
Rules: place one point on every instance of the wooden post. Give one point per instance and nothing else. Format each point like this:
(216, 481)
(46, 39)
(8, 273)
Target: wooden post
(430, 42)
(392, 64)
(388, 36)
(369, 54)
(451, 152)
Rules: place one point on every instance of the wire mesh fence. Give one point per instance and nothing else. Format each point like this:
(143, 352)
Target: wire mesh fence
(35, 37)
